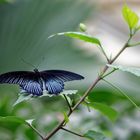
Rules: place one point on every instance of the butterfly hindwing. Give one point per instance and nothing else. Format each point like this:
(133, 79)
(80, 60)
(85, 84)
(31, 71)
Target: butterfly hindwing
(54, 87)
(33, 88)
(54, 79)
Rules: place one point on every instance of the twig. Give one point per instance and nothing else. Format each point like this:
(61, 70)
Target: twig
(109, 73)
(118, 89)
(87, 104)
(136, 44)
(58, 127)
(68, 102)
(35, 130)
(72, 132)
(103, 51)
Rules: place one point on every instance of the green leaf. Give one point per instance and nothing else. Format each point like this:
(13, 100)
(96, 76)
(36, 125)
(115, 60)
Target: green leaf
(93, 135)
(68, 92)
(130, 17)
(81, 36)
(24, 96)
(30, 121)
(105, 109)
(132, 70)
(13, 119)
(66, 117)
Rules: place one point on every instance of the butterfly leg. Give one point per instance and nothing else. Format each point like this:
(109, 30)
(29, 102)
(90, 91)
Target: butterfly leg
(23, 91)
(36, 95)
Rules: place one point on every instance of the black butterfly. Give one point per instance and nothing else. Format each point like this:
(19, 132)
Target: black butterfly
(36, 82)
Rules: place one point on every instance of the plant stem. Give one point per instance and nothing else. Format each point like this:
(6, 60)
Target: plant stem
(68, 103)
(103, 51)
(109, 73)
(124, 94)
(60, 125)
(123, 48)
(71, 132)
(135, 44)
(88, 107)
(38, 133)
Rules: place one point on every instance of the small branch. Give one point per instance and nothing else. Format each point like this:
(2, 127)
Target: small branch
(103, 51)
(35, 130)
(118, 89)
(131, 32)
(88, 91)
(58, 127)
(135, 44)
(88, 107)
(72, 132)
(109, 73)
(125, 46)
(68, 103)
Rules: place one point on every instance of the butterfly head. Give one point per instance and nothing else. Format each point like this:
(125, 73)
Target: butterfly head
(36, 70)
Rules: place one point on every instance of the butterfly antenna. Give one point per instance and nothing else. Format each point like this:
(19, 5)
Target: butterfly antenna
(42, 59)
(23, 60)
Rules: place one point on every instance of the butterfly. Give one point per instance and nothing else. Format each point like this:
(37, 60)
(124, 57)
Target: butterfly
(35, 82)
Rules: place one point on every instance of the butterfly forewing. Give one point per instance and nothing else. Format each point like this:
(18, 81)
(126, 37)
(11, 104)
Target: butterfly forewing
(27, 80)
(18, 77)
(61, 75)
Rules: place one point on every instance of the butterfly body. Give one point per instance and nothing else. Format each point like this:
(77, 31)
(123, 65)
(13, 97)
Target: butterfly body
(36, 82)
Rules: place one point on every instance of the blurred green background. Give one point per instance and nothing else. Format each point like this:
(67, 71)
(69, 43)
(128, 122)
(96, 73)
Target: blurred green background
(24, 28)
